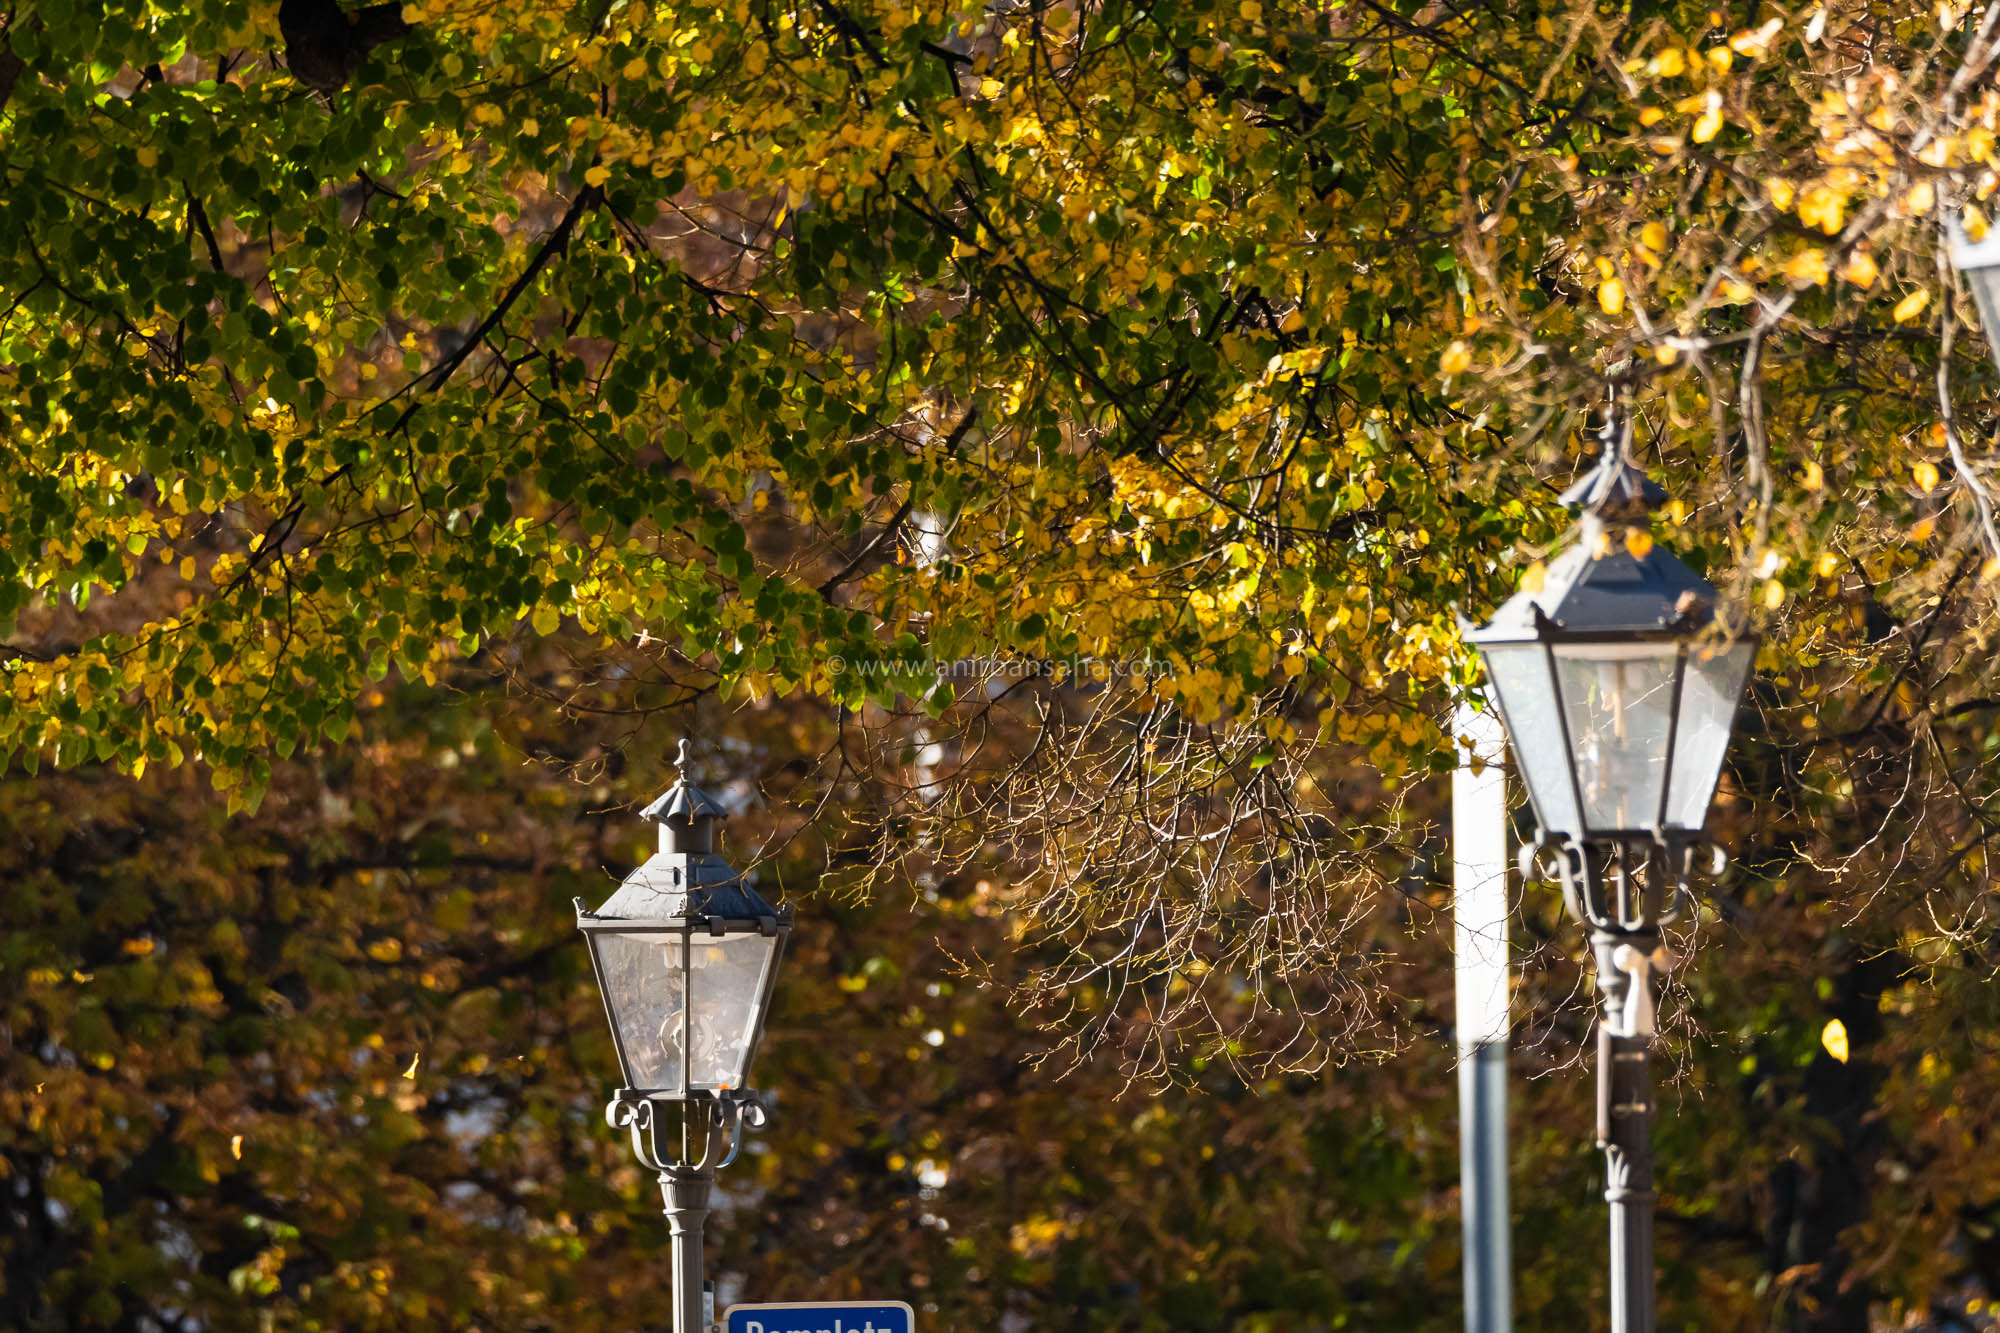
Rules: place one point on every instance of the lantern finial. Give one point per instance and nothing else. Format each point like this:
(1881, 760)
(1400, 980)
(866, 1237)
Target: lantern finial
(685, 813)
(1617, 489)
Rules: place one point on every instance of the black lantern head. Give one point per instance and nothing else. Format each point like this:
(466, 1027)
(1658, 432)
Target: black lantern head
(1617, 684)
(686, 953)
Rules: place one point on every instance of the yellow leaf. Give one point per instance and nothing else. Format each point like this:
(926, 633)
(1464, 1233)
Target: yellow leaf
(1709, 125)
(1829, 564)
(547, 619)
(1823, 208)
(1651, 116)
(411, 1072)
(1534, 577)
(1669, 62)
(1911, 306)
(236, 1146)
(1653, 236)
(1251, 10)
(1807, 268)
(1815, 476)
(1926, 474)
(1638, 541)
(1920, 200)
(1774, 595)
(1456, 360)
(1611, 295)
(596, 175)
(148, 157)
(1860, 269)
(1781, 193)
(1292, 322)
(1834, 1037)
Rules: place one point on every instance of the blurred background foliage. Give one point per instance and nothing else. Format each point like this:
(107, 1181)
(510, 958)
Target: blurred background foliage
(340, 1065)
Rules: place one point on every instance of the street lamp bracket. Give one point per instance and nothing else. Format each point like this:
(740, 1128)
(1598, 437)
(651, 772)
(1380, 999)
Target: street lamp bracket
(711, 1129)
(1625, 886)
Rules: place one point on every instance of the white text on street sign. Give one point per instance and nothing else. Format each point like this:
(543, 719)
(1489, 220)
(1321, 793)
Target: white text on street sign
(822, 1317)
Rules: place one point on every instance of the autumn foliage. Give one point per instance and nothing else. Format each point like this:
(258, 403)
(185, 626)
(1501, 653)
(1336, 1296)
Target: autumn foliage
(1044, 449)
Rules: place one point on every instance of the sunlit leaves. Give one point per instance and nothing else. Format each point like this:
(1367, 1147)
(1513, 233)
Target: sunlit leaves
(349, 489)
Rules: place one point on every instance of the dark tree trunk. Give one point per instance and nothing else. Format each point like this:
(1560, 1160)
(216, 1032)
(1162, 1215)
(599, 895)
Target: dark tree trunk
(1824, 1190)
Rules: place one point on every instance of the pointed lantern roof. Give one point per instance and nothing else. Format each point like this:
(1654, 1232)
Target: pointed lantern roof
(1599, 586)
(687, 881)
(683, 803)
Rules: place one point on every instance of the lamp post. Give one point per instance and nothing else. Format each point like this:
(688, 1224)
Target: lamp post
(1618, 686)
(686, 954)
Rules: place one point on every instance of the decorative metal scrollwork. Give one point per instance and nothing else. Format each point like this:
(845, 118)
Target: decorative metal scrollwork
(1628, 886)
(710, 1130)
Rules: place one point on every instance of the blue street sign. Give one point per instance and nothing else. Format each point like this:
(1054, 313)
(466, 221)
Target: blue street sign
(822, 1317)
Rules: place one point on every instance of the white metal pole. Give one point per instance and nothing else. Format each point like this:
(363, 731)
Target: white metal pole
(1479, 917)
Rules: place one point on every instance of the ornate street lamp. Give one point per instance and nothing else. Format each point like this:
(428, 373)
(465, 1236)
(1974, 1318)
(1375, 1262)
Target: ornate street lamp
(686, 954)
(1979, 261)
(1618, 685)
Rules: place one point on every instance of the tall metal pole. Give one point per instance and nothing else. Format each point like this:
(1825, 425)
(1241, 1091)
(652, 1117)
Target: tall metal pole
(1479, 884)
(687, 1190)
(1625, 965)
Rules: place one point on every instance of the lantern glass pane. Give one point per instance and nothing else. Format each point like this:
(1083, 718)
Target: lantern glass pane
(645, 979)
(642, 989)
(1618, 699)
(729, 976)
(1519, 673)
(1984, 280)
(1714, 684)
